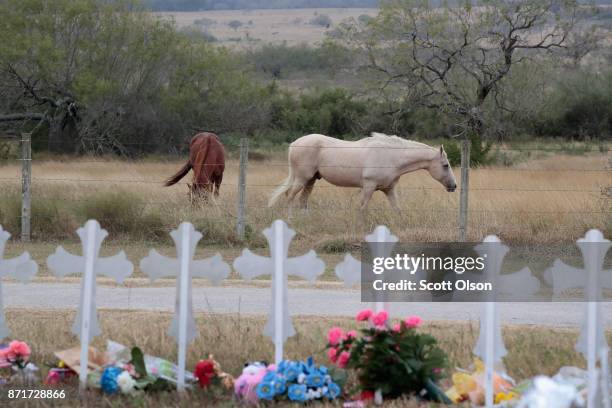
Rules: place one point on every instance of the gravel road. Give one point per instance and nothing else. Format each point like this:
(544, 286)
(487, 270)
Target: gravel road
(318, 302)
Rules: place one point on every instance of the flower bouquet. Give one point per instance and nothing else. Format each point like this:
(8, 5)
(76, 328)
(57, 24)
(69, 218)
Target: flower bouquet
(212, 380)
(395, 360)
(296, 381)
(131, 376)
(469, 386)
(16, 355)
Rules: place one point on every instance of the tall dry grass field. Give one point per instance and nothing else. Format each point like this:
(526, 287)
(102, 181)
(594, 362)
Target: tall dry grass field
(550, 199)
(288, 26)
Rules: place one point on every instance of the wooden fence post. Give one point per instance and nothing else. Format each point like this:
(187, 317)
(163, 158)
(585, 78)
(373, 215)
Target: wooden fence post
(26, 180)
(465, 185)
(244, 154)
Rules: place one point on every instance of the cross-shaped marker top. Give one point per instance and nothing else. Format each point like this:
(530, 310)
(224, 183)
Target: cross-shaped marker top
(63, 263)
(593, 279)
(22, 268)
(156, 266)
(307, 266)
(523, 281)
(349, 270)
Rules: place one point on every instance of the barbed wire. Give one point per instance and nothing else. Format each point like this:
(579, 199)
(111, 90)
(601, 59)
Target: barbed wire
(267, 186)
(334, 209)
(184, 146)
(286, 164)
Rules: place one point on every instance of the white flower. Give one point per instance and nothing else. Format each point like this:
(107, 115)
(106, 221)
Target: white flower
(126, 382)
(301, 378)
(548, 393)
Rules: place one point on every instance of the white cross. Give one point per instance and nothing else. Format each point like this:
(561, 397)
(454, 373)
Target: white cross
(349, 270)
(307, 266)
(62, 263)
(592, 342)
(490, 346)
(22, 268)
(184, 267)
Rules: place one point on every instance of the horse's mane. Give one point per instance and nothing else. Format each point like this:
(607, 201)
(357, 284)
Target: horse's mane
(393, 140)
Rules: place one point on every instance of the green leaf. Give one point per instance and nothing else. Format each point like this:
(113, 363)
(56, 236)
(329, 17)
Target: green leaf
(339, 376)
(138, 362)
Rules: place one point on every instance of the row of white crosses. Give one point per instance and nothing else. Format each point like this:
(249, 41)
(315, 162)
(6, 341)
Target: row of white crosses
(184, 267)
(490, 347)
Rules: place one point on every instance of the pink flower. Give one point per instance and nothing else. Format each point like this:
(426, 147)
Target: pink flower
(380, 319)
(334, 335)
(413, 321)
(332, 354)
(397, 327)
(364, 315)
(343, 359)
(18, 350)
(437, 370)
(351, 334)
(53, 378)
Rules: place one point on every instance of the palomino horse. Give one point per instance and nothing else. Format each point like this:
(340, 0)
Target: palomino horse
(207, 159)
(373, 163)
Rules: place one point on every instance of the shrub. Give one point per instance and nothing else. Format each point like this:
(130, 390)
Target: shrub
(333, 112)
(479, 152)
(206, 22)
(235, 24)
(321, 20)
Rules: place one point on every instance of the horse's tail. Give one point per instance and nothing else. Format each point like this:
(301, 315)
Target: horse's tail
(179, 175)
(282, 189)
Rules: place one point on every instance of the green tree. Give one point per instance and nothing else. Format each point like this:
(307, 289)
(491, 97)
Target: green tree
(456, 59)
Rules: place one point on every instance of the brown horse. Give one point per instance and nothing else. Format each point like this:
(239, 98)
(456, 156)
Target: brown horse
(207, 159)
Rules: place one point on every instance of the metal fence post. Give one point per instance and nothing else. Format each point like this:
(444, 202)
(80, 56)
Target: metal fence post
(244, 154)
(26, 180)
(465, 185)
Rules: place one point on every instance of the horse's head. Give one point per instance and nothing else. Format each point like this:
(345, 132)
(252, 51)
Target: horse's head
(440, 169)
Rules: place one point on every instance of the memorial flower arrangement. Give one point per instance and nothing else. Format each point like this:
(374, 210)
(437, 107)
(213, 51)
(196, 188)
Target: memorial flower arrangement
(468, 386)
(208, 373)
(16, 355)
(131, 376)
(295, 381)
(395, 360)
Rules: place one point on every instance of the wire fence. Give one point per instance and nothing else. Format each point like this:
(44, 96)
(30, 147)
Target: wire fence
(602, 191)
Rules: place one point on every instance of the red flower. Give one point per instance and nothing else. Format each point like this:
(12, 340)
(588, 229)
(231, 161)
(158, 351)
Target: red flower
(204, 372)
(366, 395)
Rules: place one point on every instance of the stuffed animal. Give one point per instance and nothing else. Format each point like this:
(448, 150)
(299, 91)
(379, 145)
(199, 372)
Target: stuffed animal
(245, 386)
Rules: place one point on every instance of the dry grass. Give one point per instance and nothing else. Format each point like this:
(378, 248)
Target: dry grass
(128, 199)
(531, 350)
(291, 26)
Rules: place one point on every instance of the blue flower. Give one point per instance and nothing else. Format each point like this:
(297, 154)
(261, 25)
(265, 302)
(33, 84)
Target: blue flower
(333, 390)
(282, 366)
(323, 369)
(292, 371)
(108, 381)
(297, 392)
(315, 379)
(280, 385)
(265, 391)
(269, 377)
